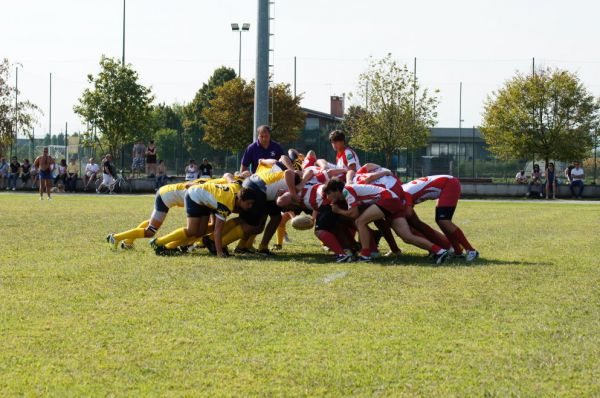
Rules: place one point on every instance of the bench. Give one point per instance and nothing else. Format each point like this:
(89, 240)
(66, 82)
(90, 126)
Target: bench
(476, 180)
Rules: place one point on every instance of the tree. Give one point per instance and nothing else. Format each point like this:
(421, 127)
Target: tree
(26, 113)
(230, 118)
(549, 115)
(399, 114)
(117, 104)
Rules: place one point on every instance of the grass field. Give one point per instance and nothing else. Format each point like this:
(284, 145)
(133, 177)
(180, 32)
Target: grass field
(77, 319)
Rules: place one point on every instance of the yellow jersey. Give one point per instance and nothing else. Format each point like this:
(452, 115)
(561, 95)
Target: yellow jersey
(274, 182)
(173, 195)
(220, 198)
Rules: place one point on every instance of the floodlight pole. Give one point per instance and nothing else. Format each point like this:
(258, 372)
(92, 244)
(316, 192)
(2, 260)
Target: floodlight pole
(123, 65)
(14, 144)
(50, 109)
(261, 92)
(459, 129)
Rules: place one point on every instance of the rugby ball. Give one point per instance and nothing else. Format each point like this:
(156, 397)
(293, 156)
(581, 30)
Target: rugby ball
(302, 222)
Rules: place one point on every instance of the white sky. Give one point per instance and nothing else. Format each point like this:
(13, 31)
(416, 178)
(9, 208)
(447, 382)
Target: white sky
(175, 45)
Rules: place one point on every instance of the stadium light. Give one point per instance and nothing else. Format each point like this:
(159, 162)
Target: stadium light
(236, 28)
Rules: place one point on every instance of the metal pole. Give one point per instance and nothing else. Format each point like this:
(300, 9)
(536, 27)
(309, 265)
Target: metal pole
(261, 92)
(240, 57)
(294, 77)
(50, 110)
(414, 114)
(66, 144)
(123, 54)
(473, 154)
(459, 129)
(14, 143)
(595, 149)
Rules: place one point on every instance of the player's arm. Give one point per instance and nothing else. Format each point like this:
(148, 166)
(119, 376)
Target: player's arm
(267, 162)
(230, 178)
(351, 172)
(377, 175)
(352, 212)
(290, 181)
(218, 235)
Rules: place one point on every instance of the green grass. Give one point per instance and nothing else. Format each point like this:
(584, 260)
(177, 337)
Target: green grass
(79, 320)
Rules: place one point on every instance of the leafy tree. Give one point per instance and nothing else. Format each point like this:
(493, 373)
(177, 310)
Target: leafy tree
(166, 141)
(230, 117)
(399, 115)
(25, 111)
(549, 115)
(117, 104)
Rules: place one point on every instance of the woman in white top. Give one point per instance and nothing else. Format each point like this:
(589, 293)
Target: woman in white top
(191, 171)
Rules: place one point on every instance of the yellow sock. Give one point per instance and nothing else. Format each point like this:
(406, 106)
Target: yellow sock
(177, 235)
(250, 242)
(143, 225)
(280, 234)
(131, 235)
(177, 243)
(232, 235)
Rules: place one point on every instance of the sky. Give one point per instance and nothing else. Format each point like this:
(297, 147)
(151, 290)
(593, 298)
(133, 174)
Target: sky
(175, 46)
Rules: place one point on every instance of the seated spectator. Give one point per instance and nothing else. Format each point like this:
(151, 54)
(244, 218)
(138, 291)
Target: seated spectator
(568, 173)
(206, 169)
(577, 176)
(90, 173)
(551, 180)
(25, 171)
(3, 172)
(61, 173)
(14, 168)
(72, 175)
(536, 181)
(191, 171)
(161, 175)
(521, 178)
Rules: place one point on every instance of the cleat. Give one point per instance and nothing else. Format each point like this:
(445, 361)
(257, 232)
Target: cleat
(364, 259)
(209, 244)
(471, 255)
(441, 258)
(375, 254)
(126, 246)
(277, 248)
(343, 258)
(265, 252)
(393, 254)
(110, 239)
(243, 250)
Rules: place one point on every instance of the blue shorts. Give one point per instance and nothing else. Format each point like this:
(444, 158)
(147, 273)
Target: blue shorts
(45, 175)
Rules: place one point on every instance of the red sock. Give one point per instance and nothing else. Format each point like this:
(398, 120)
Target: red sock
(434, 236)
(365, 252)
(436, 249)
(458, 236)
(372, 243)
(330, 241)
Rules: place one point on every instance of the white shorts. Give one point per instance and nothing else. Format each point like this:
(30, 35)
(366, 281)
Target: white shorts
(107, 179)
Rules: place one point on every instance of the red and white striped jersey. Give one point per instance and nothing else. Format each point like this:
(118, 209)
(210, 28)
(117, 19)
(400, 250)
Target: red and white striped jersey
(386, 181)
(308, 162)
(346, 159)
(319, 175)
(313, 196)
(357, 194)
(424, 188)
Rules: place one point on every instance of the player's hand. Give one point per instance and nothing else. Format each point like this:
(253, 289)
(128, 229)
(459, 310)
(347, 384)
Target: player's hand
(335, 208)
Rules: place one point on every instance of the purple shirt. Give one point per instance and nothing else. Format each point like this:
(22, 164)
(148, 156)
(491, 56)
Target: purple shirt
(254, 152)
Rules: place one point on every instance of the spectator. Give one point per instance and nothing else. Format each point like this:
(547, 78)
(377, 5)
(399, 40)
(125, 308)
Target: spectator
(138, 152)
(536, 180)
(13, 173)
(551, 180)
(151, 159)
(577, 176)
(161, 175)
(263, 148)
(72, 175)
(568, 173)
(90, 173)
(206, 169)
(3, 172)
(25, 171)
(45, 165)
(521, 177)
(62, 173)
(191, 171)
(109, 173)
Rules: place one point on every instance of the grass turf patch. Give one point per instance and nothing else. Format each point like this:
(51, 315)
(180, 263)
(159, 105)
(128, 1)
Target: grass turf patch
(79, 319)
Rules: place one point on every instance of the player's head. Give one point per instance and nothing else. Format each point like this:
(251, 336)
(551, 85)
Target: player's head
(333, 189)
(245, 198)
(45, 150)
(576, 163)
(264, 135)
(337, 138)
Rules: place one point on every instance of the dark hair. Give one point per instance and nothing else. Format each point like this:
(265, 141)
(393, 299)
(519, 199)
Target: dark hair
(26, 160)
(191, 161)
(334, 185)
(536, 166)
(152, 141)
(161, 161)
(262, 128)
(247, 194)
(550, 164)
(337, 135)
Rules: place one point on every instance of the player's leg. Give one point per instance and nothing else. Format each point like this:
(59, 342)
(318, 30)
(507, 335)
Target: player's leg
(385, 228)
(274, 214)
(370, 214)
(281, 229)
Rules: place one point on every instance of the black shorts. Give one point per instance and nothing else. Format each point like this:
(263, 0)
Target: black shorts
(326, 219)
(160, 205)
(444, 213)
(194, 210)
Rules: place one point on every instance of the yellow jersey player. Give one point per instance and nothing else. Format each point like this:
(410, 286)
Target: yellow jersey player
(202, 201)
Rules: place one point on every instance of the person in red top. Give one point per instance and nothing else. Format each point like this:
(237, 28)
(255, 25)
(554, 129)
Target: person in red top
(446, 189)
(345, 157)
(380, 203)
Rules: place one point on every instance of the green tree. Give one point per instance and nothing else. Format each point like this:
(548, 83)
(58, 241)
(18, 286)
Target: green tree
(26, 112)
(230, 117)
(399, 115)
(549, 116)
(117, 104)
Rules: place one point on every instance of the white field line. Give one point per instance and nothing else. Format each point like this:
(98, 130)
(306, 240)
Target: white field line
(332, 277)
